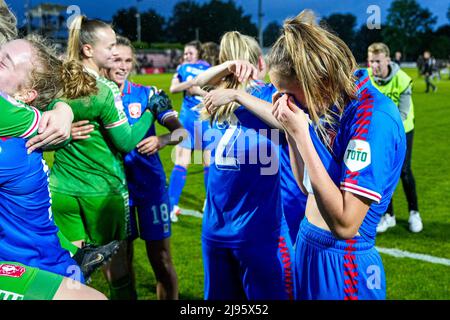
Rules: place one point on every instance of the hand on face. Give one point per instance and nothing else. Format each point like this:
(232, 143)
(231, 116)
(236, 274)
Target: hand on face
(291, 117)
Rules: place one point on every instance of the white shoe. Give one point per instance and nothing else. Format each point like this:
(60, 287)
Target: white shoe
(176, 211)
(387, 221)
(415, 222)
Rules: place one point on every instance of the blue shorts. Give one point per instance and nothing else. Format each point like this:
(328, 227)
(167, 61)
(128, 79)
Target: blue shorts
(153, 218)
(258, 271)
(331, 269)
(196, 129)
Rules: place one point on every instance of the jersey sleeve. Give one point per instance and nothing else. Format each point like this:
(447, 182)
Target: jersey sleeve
(263, 92)
(112, 113)
(17, 119)
(160, 105)
(179, 73)
(370, 155)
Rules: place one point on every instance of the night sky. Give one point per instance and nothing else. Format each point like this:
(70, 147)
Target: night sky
(272, 9)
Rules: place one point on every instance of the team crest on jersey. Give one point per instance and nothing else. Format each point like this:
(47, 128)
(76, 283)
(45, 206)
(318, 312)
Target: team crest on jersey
(357, 156)
(10, 270)
(134, 109)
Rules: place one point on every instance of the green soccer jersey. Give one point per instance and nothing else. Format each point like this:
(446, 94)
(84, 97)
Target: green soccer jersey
(17, 119)
(92, 167)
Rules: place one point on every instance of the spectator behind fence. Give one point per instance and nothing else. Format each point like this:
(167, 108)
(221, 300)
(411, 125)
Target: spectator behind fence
(398, 57)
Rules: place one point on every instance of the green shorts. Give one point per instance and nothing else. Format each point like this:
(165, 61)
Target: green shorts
(20, 282)
(97, 220)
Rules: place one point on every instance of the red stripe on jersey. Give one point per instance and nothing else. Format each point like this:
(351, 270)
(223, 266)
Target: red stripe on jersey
(363, 122)
(351, 177)
(350, 293)
(363, 82)
(37, 118)
(359, 134)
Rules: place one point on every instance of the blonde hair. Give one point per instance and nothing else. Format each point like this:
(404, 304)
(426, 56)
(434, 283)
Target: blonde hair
(51, 78)
(8, 22)
(321, 64)
(234, 46)
(379, 47)
(82, 31)
(210, 53)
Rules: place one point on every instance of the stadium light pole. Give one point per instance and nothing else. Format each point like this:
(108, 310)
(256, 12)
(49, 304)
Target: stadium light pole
(27, 6)
(138, 21)
(138, 26)
(260, 31)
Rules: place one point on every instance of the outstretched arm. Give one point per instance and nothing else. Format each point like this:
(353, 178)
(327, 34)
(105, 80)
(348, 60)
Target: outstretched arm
(153, 144)
(260, 108)
(243, 70)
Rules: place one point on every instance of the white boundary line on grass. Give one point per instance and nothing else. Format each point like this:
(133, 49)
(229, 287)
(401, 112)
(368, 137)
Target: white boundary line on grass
(397, 253)
(417, 256)
(189, 212)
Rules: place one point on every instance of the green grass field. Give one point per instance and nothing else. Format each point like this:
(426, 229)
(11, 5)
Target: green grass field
(406, 278)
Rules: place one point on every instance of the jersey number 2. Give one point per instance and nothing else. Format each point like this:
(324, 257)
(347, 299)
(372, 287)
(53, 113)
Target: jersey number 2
(225, 146)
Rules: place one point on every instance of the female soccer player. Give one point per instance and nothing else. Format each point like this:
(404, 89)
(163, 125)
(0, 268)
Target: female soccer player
(149, 199)
(363, 132)
(89, 191)
(293, 199)
(246, 244)
(33, 265)
(189, 117)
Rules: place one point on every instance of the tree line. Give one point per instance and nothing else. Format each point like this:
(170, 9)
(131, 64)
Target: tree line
(408, 27)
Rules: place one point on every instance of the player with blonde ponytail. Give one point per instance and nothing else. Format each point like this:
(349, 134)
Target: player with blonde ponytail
(89, 191)
(351, 174)
(245, 239)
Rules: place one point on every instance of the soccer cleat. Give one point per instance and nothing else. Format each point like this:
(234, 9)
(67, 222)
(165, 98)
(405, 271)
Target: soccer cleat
(91, 257)
(176, 211)
(387, 221)
(415, 222)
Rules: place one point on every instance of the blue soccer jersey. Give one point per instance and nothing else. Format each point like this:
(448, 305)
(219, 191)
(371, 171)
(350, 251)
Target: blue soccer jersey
(293, 199)
(185, 72)
(364, 155)
(189, 114)
(28, 234)
(245, 235)
(145, 174)
(244, 198)
(370, 147)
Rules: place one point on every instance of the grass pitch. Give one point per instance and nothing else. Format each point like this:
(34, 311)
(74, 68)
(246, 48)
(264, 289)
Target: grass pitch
(406, 278)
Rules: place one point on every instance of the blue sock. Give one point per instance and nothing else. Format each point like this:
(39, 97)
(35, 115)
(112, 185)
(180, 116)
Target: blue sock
(205, 176)
(176, 184)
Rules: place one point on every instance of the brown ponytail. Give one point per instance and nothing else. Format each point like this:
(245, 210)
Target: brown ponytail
(76, 82)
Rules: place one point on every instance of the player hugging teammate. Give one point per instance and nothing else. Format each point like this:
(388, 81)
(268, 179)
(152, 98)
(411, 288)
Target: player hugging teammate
(326, 127)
